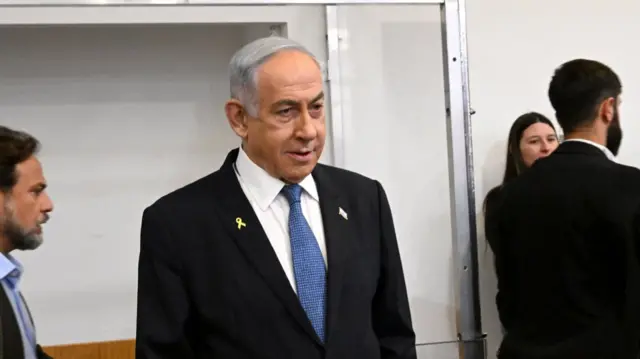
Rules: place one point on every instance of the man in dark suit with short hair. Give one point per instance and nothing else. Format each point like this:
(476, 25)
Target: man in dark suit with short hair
(566, 232)
(273, 256)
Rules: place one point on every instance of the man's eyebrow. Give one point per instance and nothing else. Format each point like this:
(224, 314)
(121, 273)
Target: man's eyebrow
(319, 97)
(289, 102)
(286, 102)
(39, 187)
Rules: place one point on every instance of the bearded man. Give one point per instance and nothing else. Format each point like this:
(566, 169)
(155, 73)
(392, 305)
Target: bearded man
(566, 233)
(24, 207)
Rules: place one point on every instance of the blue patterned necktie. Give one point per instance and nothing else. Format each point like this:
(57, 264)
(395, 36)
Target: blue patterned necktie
(308, 264)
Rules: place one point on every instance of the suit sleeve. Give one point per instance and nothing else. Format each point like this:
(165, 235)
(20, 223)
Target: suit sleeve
(162, 299)
(496, 242)
(391, 313)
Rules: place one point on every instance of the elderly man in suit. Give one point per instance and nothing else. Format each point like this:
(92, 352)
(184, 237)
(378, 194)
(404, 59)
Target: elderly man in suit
(273, 255)
(24, 208)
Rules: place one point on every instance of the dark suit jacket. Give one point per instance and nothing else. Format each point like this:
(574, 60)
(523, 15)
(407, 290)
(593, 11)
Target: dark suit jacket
(207, 289)
(11, 346)
(565, 236)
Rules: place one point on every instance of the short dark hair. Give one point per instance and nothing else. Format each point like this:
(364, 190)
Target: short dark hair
(15, 148)
(577, 88)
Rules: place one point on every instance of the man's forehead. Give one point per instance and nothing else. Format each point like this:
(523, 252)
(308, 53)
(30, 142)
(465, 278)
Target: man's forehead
(289, 68)
(30, 172)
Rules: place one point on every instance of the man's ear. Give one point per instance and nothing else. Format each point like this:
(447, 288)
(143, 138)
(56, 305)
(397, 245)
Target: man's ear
(237, 117)
(607, 110)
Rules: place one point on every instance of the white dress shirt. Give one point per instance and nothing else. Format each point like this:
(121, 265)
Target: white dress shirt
(272, 209)
(599, 146)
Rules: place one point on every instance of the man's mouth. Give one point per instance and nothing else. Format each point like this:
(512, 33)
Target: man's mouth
(39, 226)
(302, 156)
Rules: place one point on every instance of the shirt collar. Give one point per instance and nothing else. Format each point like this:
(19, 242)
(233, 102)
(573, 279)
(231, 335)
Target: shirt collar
(602, 148)
(10, 268)
(263, 188)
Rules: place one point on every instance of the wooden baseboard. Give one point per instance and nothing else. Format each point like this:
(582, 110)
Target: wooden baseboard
(119, 349)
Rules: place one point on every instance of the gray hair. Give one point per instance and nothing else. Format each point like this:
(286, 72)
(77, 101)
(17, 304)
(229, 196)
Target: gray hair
(244, 65)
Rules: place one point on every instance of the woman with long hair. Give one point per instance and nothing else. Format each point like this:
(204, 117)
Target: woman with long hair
(531, 137)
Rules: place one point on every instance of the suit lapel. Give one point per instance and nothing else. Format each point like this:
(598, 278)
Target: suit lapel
(340, 235)
(12, 346)
(242, 223)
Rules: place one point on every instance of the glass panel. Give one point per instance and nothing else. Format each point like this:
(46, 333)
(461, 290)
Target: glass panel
(393, 114)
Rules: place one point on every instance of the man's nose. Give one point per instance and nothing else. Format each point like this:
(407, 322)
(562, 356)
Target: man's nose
(306, 128)
(47, 205)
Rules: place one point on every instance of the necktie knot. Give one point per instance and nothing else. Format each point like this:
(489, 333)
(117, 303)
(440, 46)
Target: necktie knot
(292, 192)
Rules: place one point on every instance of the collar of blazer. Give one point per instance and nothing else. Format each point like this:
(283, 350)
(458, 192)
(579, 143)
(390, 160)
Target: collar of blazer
(580, 147)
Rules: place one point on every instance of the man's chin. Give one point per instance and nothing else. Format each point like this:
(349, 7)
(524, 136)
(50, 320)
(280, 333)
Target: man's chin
(298, 174)
(30, 243)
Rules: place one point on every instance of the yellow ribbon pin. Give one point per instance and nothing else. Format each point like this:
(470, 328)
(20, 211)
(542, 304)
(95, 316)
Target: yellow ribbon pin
(240, 223)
